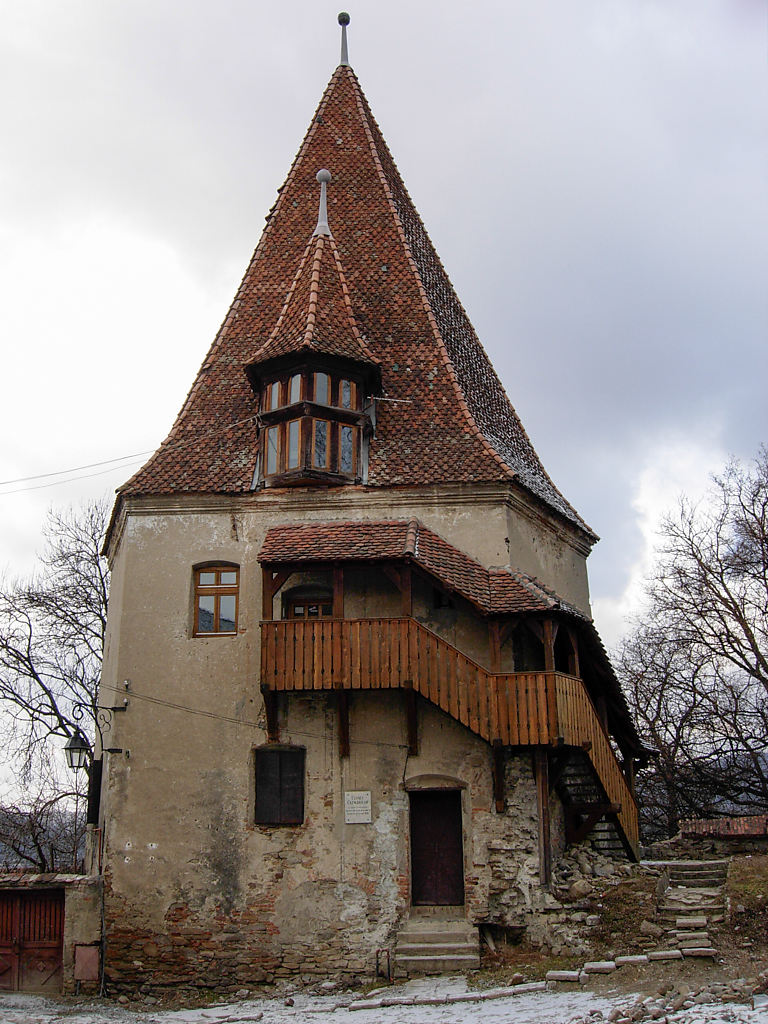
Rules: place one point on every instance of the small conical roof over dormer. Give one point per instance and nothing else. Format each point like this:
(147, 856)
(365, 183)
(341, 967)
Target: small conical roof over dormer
(317, 317)
(444, 416)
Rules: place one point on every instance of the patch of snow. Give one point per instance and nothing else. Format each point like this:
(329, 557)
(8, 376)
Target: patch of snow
(550, 1007)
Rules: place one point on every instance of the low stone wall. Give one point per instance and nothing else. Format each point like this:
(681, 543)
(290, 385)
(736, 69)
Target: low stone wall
(713, 838)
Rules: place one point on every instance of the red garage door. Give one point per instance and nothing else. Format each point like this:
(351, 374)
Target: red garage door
(31, 933)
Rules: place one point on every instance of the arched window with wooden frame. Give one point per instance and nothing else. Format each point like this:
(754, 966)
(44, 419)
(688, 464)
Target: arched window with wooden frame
(216, 599)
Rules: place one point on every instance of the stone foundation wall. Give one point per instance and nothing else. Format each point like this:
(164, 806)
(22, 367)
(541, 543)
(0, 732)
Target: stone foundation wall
(692, 847)
(290, 918)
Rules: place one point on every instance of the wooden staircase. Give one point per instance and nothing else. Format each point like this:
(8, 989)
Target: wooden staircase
(517, 709)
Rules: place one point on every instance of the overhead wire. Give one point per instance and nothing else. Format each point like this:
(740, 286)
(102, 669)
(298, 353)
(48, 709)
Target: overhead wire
(125, 460)
(74, 469)
(133, 694)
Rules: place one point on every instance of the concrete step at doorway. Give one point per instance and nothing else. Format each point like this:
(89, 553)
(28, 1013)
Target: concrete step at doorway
(436, 945)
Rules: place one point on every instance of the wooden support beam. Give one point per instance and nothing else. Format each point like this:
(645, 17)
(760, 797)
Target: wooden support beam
(266, 594)
(270, 709)
(338, 592)
(580, 819)
(541, 772)
(271, 582)
(536, 628)
(412, 718)
(558, 764)
(406, 591)
(499, 786)
(573, 654)
(549, 646)
(393, 574)
(280, 579)
(601, 706)
(628, 766)
(342, 699)
(506, 629)
(494, 643)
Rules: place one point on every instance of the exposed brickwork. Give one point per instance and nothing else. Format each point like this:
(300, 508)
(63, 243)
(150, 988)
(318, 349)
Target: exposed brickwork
(755, 825)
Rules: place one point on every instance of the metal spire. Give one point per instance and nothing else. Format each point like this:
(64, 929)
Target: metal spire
(344, 21)
(322, 228)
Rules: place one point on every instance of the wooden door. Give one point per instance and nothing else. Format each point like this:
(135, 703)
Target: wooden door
(31, 941)
(437, 849)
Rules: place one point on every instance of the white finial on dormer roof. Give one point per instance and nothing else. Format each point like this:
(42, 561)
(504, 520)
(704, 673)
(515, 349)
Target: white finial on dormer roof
(344, 21)
(322, 228)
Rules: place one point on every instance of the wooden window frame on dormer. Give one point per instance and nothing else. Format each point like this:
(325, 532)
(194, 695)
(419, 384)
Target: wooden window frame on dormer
(307, 390)
(289, 428)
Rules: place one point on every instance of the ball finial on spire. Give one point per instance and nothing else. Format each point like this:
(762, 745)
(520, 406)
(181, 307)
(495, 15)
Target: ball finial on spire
(344, 21)
(323, 176)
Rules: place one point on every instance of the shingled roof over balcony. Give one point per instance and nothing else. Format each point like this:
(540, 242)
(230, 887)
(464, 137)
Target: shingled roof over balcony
(492, 591)
(451, 421)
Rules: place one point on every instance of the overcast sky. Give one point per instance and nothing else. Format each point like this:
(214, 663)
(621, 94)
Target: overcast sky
(593, 175)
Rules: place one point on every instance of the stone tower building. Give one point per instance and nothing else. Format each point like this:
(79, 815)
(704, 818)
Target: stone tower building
(349, 622)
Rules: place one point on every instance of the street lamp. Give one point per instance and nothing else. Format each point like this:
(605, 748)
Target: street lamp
(77, 751)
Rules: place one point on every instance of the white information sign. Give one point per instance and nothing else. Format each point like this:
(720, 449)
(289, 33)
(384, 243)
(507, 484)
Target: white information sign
(357, 807)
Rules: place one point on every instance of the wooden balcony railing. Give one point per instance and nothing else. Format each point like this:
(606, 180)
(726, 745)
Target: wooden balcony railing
(516, 708)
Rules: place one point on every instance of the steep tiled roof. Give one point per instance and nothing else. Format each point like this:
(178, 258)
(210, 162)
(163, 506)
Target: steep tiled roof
(317, 315)
(495, 591)
(452, 421)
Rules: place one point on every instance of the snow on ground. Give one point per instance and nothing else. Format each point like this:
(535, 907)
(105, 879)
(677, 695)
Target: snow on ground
(559, 1007)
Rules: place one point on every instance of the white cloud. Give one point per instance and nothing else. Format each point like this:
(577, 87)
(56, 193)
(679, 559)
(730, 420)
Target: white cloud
(105, 331)
(675, 464)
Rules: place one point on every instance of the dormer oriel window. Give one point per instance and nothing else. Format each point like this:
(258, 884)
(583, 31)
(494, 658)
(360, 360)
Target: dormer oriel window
(313, 426)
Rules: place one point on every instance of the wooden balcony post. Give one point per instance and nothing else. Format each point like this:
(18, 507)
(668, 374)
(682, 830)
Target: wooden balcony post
(573, 654)
(267, 593)
(406, 591)
(494, 642)
(338, 592)
(541, 772)
(549, 646)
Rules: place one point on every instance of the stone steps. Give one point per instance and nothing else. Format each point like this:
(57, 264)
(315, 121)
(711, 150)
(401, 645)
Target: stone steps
(433, 945)
(692, 902)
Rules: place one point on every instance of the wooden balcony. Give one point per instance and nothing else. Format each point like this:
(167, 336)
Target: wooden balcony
(515, 709)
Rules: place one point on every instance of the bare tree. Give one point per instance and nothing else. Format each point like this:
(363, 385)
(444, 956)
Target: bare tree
(52, 629)
(696, 669)
(42, 823)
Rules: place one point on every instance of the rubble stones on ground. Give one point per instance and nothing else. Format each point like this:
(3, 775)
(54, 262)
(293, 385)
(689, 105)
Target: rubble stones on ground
(655, 931)
(671, 999)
